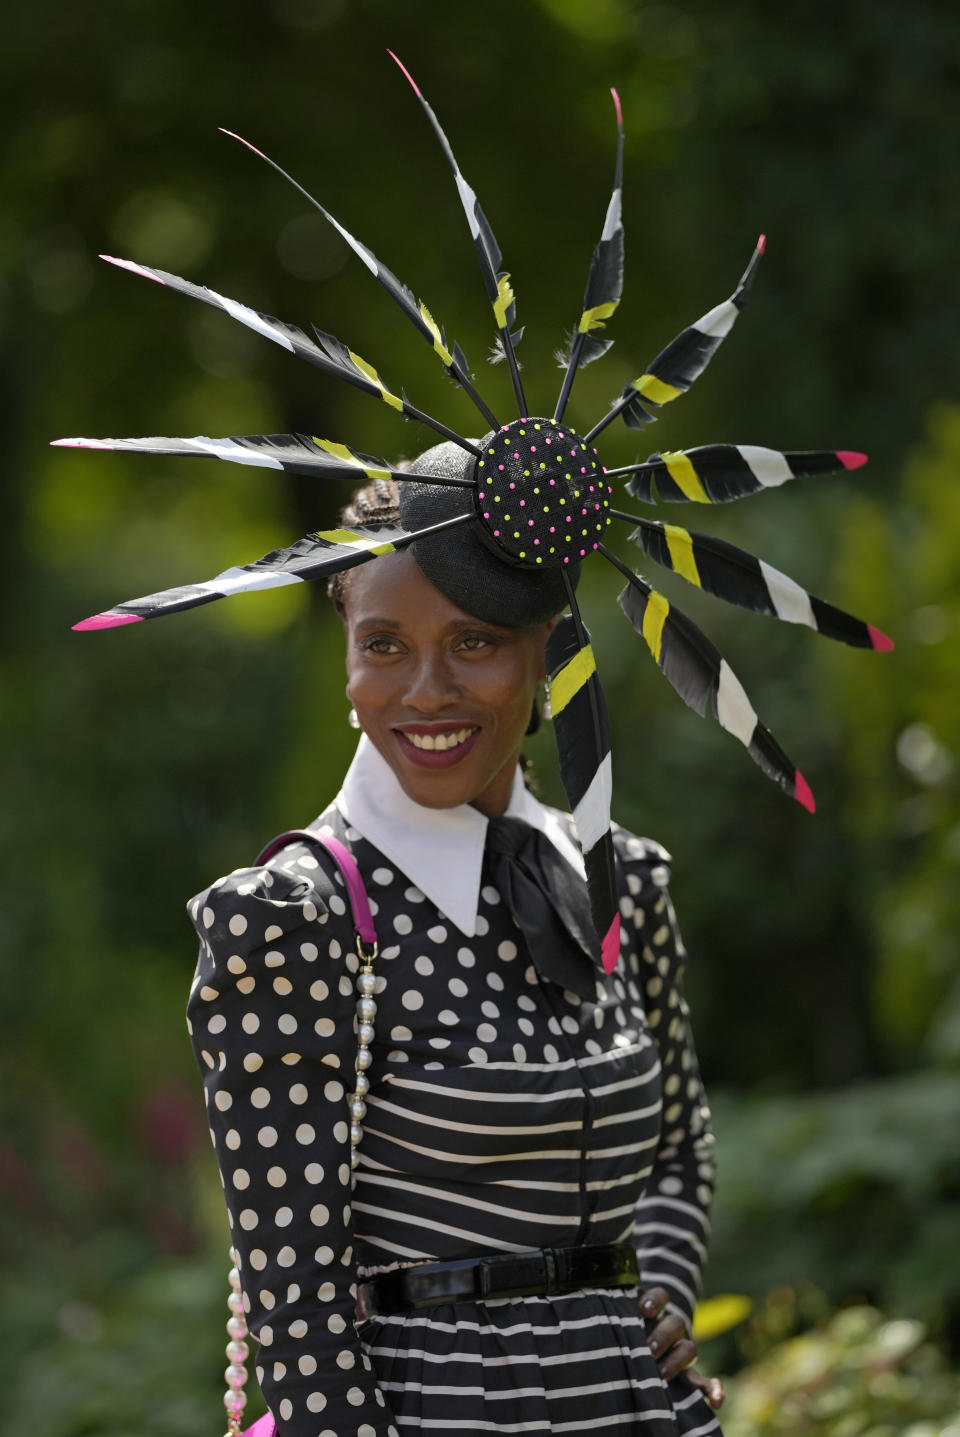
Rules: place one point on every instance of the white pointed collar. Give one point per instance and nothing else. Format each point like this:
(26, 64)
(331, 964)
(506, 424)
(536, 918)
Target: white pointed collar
(439, 849)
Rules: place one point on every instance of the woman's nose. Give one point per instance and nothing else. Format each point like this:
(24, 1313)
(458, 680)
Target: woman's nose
(431, 685)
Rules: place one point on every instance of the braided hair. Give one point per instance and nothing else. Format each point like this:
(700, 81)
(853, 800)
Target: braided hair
(375, 506)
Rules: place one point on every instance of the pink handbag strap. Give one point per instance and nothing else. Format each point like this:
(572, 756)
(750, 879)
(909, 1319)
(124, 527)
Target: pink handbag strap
(356, 891)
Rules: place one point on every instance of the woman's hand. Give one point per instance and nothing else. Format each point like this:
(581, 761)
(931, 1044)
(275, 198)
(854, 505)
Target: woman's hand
(674, 1350)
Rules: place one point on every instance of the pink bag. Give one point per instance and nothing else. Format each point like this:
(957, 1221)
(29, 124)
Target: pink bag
(367, 935)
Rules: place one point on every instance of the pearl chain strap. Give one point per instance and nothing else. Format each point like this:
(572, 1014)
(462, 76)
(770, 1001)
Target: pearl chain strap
(235, 1398)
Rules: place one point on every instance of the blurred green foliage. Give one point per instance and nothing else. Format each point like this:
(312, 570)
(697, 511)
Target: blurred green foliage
(135, 765)
(857, 1373)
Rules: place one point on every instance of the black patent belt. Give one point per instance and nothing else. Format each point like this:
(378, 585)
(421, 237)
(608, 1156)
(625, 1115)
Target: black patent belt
(523, 1274)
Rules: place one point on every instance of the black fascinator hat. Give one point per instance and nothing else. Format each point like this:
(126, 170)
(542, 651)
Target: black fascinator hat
(502, 525)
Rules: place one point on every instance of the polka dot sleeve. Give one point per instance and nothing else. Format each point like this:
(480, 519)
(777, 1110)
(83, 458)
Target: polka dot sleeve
(672, 1218)
(271, 1016)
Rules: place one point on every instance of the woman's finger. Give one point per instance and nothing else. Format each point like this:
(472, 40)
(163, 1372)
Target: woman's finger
(682, 1354)
(711, 1387)
(653, 1300)
(667, 1331)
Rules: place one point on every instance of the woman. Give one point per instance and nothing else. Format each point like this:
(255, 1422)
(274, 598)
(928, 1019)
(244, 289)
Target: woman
(520, 1099)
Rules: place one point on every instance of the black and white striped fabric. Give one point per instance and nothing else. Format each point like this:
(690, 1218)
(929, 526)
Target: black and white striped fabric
(505, 1113)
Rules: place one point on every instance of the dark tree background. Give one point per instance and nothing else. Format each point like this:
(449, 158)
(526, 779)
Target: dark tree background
(136, 764)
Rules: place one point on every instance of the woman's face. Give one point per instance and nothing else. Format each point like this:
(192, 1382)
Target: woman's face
(443, 696)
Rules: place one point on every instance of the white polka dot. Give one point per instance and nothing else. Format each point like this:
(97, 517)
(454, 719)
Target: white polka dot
(403, 923)
(340, 1132)
(550, 1054)
(286, 1409)
(383, 876)
(266, 1137)
(282, 986)
(481, 926)
(525, 1026)
(274, 959)
(346, 1359)
(424, 965)
(333, 1091)
(458, 988)
(286, 1257)
(327, 1292)
(252, 1061)
(319, 990)
(305, 1134)
(291, 1058)
(338, 906)
(297, 1328)
(298, 1093)
(267, 1298)
(465, 957)
(526, 1003)
(309, 910)
(448, 1017)
(260, 1097)
(236, 964)
(569, 1025)
(276, 1177)
(487, 1033)
(671, 1187)
(313, 1173)
(208, 994)
(336, 1323)
(232, 1138)
(241, 1179)
(489, 1010)
(250, 1022)
(307, 1364)
(258, 1259)
(237, 924)
(400, 1034)
(208, 917)
(217, 1023)
(326, 1027)
(412, 1000)
(477, 1055)
(324, 1256)
(319, 1215)
(207, 1057)
(437, 934)
(223, 1100)
(308, 951)
(316, 1402)
(439, 1042)
(489, 895)
(248, 1219)
(495, 982)
(287, 1024)
(519, 1053)
(355, 1396)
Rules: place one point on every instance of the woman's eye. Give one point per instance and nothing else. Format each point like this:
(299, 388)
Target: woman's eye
(379, 645)
(475, 642)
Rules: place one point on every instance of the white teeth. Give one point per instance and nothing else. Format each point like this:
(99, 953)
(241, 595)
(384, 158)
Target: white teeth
(440, 742)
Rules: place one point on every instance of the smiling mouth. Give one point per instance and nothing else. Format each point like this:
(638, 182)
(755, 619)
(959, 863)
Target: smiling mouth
(437, 749)
(440, 742)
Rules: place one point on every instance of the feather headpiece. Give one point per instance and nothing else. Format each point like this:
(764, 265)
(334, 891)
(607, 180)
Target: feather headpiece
(502, 525)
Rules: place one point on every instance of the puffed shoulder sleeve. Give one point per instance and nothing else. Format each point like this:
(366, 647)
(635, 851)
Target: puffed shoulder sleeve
(271, 1019)
(672, 1217)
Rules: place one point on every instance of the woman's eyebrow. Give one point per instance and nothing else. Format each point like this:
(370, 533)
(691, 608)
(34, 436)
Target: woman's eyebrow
(376, 622)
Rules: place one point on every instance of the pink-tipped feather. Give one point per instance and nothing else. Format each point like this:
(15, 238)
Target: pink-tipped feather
(761, 244)
(881, 642)
(133, 268)
(610, 947)
(616, 102)
(107, 621)
(803, 793)
(416, 87)
(234, 136)
(850, 459)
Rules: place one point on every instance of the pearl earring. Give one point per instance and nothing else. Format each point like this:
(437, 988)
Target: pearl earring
(352, 719)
